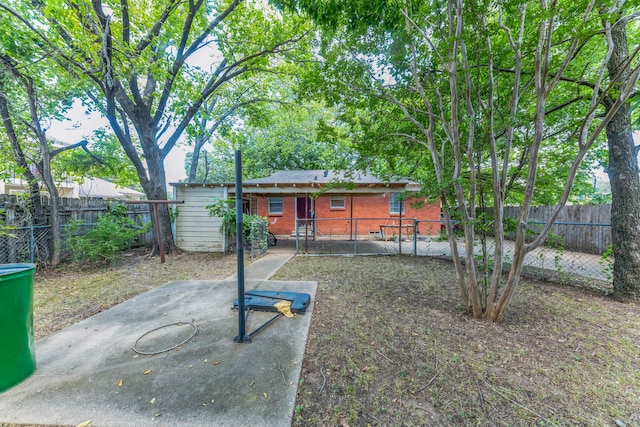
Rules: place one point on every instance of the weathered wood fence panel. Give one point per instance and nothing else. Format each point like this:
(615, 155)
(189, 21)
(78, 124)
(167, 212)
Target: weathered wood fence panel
(87, 210)
(584, 228)
(26, 242)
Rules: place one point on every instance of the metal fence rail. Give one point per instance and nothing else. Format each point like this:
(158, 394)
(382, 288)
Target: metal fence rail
(553, 262)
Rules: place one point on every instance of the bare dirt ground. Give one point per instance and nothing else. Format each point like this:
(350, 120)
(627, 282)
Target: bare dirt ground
(389, 344)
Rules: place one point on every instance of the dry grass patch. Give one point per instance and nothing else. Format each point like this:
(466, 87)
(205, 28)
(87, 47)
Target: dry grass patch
(73, 292)
(390, 345)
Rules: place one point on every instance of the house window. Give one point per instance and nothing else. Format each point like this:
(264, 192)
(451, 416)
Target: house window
(275, 205)
(337, 203)
(396, 206)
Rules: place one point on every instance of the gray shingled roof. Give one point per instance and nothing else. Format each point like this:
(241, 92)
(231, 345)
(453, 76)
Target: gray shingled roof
(285, 177)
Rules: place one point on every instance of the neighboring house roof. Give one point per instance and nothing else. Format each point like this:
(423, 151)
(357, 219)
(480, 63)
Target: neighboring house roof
(91, 187)
(292, 182)
(100, 188)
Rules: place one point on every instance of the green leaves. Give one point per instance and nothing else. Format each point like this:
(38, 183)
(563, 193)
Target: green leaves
(113, 232)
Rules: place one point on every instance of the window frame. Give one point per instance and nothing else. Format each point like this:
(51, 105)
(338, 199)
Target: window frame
(342, 199)
(396, 207)
(270, 208)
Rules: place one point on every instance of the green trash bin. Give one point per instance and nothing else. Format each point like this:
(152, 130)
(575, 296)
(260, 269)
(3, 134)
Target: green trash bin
(17, 345)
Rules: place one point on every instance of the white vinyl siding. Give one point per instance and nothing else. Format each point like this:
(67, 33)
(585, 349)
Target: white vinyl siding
(195, 230)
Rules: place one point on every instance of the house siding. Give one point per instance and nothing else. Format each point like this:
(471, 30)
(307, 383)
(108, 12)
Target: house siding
(196, 231)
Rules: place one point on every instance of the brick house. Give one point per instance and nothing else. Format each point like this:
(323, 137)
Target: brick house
(322, 203)
(329, 203)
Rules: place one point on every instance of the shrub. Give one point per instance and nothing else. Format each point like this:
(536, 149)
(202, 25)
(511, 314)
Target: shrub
(254, 227)
(113, 233)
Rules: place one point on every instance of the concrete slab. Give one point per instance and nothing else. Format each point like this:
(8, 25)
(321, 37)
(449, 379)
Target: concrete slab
(89, 371)
(264, 268)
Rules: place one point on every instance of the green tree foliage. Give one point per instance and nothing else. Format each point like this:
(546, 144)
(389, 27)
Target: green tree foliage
(483, 103)
(254, 227)
(103, 158)
(279, 136)
(150, 67)
(31, 94)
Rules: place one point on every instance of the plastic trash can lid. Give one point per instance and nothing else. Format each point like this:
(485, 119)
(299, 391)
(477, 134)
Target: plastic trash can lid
(14, 268)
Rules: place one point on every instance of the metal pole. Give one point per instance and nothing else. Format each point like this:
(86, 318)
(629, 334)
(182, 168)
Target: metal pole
(32, 246)
(355, 237)
(242, 337)
(400, 231)
(415, 237)
(297, 227)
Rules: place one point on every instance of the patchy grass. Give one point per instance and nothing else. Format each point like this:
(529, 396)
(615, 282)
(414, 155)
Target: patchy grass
(73, 292)
(389, 345)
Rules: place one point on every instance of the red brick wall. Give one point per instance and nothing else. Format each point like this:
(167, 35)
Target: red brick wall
(279, 224)
(335, 221)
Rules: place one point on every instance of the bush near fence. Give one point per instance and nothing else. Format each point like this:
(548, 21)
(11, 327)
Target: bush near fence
(21, 241)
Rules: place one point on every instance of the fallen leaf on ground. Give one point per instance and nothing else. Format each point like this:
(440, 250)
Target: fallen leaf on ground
(147, 372)
(119, 383)
(152, 401)
(84, 424)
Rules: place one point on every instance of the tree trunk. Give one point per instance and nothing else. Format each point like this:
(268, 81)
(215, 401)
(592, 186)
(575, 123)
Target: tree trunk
(625, 185)
(195, 159)
(36, 208)
(54, 197)
(155, 188)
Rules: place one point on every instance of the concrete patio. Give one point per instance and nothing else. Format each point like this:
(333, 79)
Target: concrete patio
(90, 372)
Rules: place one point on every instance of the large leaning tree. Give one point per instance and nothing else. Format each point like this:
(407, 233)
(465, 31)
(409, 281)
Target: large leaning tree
(485, 90)
(31, 95)
(149, 67)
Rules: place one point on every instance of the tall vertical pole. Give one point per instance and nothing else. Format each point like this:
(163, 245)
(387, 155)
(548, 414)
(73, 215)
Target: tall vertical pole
(242, 315)
(156, 217)
(32, 246)
(400, 229)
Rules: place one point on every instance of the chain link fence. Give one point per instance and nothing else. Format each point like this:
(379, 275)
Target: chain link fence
(374, 236)
(24, 244)
(33, 244)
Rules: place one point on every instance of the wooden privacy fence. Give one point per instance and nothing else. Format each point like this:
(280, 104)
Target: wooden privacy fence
(22, 241)
(583, 228)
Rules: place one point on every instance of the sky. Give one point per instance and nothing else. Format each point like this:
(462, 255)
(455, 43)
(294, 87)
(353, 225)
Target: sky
(81, 126)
